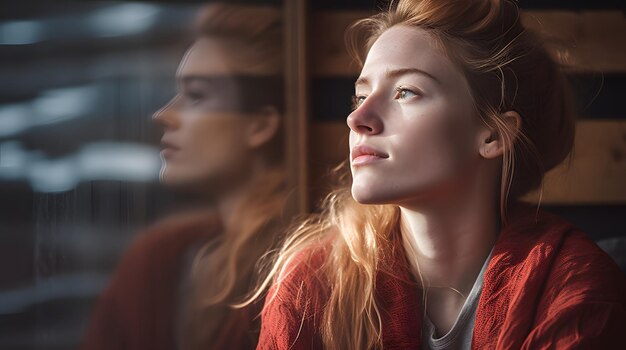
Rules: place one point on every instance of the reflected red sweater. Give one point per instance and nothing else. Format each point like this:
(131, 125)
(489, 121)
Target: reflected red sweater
(138, 310)
(547, 286)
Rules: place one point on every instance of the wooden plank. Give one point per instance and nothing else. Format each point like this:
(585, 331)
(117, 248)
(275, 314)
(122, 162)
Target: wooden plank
(592, 41)
(329, 143)
(597, 173)
(296, 105)
(327, 43)
(328, 147)
(586, 41)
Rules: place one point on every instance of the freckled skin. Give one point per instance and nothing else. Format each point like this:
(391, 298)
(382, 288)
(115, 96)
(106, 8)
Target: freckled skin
(427, 125)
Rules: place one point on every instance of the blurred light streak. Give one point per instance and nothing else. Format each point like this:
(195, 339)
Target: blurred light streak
(124, 19)
(62, 287)
(20, 32)
(14, 119)
(53, 106)
(63, 104)
(96, 161)
(114, 161)
(13, 160)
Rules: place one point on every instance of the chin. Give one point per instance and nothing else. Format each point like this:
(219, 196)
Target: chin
(167, 179)
(366, 189)
(366, 195)
(170, 178)
(385, 194)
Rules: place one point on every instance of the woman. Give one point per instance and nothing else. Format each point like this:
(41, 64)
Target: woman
(458, 112)
(222, 142)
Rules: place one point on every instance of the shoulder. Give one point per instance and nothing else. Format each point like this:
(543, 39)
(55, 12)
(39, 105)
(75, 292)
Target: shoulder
(583, 266)
(146, 279)
(302, 280)
(170, 236)
(155, 255)
(180, 227)
(554, 282)
(546, 247)
(583, 303)
(293, 308)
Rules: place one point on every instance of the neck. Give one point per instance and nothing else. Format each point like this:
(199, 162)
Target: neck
(229, 201)
(449, 242)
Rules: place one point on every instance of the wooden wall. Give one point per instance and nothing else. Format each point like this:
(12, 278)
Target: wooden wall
(589, 42)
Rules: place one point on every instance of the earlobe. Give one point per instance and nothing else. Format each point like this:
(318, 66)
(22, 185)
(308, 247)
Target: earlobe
(262, 127)
(494, 142)
(491, 147)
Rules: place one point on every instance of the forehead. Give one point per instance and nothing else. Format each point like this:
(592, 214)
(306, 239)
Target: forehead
(407, 47)
(207, 56)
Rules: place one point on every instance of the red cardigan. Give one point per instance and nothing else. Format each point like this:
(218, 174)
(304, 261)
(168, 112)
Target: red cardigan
(138, 309)
(547, 286)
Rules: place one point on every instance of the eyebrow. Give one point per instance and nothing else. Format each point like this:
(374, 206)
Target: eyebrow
(205, 80)
(394, 73)
(200, 78)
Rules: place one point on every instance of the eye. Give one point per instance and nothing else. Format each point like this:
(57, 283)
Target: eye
(403, 93)
(357, 100)
(193, 97)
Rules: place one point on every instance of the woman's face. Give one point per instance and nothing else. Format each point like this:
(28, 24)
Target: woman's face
(414, 132)
(203, 140)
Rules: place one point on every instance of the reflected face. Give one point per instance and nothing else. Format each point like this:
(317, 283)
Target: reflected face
(203, 140)
(413, 132)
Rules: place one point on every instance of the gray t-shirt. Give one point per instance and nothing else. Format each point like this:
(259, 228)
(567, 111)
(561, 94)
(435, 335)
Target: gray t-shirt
(460, 335)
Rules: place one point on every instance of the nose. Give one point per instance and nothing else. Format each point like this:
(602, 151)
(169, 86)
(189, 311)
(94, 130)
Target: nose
(365, 119)
(167, 116)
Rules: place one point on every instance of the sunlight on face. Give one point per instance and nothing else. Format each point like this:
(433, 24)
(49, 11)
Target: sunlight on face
(414, 130)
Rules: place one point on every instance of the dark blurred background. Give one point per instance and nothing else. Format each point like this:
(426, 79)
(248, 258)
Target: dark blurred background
(79, 158)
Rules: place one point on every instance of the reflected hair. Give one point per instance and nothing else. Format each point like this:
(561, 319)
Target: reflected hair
(223, 269)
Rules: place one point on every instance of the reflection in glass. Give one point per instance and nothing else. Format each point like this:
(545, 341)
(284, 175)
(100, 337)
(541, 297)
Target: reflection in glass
(80, 161)
(222, 144)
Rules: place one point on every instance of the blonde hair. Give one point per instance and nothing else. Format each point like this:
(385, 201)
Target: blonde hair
(222, 271)
(507, 69)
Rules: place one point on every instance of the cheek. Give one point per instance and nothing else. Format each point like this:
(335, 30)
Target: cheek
(439, 140)
(220, 142)
(214, 145)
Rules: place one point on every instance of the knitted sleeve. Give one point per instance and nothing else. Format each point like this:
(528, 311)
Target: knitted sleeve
(293, 309)
(584, 301)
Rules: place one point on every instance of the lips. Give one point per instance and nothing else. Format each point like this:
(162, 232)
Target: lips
(168, 148)
(363, 154)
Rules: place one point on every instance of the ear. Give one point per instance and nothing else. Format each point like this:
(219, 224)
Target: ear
(492, 144)
(262, 126)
